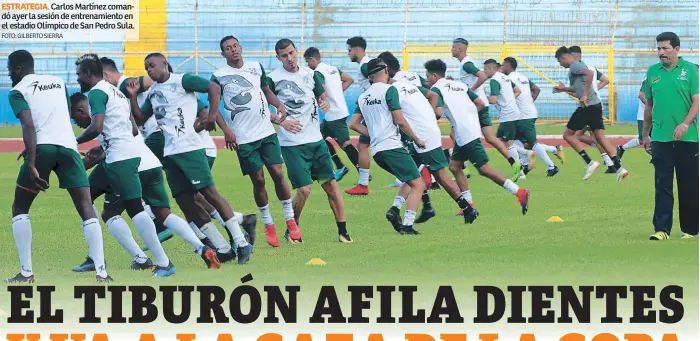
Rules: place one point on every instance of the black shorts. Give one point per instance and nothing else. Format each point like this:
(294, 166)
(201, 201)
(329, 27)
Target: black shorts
(591, 116)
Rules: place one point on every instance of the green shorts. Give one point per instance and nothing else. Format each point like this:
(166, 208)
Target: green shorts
(266, 151)
(308, 162)
(484, 118)
(526, 131)
(65, 162)
(210, 161)
(397, 162)
(156, 142)
(473, 152)
(187, 172)
(152, 186)
(336, 129)
(123, 178)
(507, 130)
(434, 159)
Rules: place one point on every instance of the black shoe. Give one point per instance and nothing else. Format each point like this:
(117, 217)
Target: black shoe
(148, 264)
(87, 266)
(208, 243)
(620, 151)
(249, 222)
(164, 271)
(408, 230)
(471, 215)
(19, 278)
(434, 186)
(525, 169)
(393, 215)
(226, 257)
(290, 240)
(611, 170)
(553, 171)
(425, 215)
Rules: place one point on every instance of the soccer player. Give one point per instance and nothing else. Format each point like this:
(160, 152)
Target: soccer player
(41, 104)
(640, 123)
(356, 53)
(173, 100)
(589, 112)
(246, 94)
(504, 93)
(528, 114)
(303, 149)
(334, 124)
(462, 111)
(153, 188)
(474, 78)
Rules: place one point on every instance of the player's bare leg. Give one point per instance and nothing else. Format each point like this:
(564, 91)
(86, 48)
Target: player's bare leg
(491, 138)
(522, 194)
(417, 186)
(335, 199)
(362, 187)
(462, 182)
(463, 199)
(611, 151)
(573, 140)
(285, 197)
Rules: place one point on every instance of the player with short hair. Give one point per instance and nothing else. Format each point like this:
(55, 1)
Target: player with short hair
(334, 124)
(356, 53)
(462, 112)
(305, 153)
(589, 113)
(526, 127)
(173, 100)
(504, 94)
(640, 123)
(41, 104)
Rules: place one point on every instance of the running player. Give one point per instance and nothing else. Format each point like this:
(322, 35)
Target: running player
(589, 112)
(249, 130)
(526, 130)
(640, 124)
(41, 104)
(461, 106)
(356, 52)
(306, 155)
(334, 124)
(504, 93)
(173, 100)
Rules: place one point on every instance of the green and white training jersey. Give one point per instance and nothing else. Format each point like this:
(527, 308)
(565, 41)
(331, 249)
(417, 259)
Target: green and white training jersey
(209, 145)
(334, 92)
(526, 104)
(174, 104)
(119, 142)
(246, 110)
(148, 159)
(460, 109)
(409, 77)
(375, 105)
(151, 126)
(298, 91)
(362, 74)
(467, 75)
(501, 86)
(47, 98)
(419, 114)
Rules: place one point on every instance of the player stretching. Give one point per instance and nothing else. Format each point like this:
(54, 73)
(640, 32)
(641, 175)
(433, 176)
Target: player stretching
(334, 124)
(640, 124)
(526, 128)
(356, 52)
(463, 115)
(249, 130)
(504, 93)
(301, 90)
(41, 104)
(589, 112)
(173, 100)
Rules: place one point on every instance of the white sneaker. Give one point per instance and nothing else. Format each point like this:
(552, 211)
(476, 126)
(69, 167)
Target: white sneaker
(396, 183)
(590, 169)
(522, 175)
(622, 174)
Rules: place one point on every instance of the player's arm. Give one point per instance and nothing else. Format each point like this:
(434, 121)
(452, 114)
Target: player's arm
(272, 99)
(480, 105)
(346, 79)
(495, 90)
(356, 122)
(140, 114)
(692, 115)
(134, 126)
(470, 68)
(437, 107)
(137, 82)
(602, 79)
(589, 81)
(20, 107)
(98, 106)
(198, 84)
(534, 90)
(516, 90)
(202, 116)
(320, 91)
(93, 157)
(392, 100)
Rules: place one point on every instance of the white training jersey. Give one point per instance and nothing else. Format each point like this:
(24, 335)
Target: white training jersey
(209, 145)
(459, 109)
(298, 91)
(526, 104)
(641, 106)
(151, 126)
(507, 105)
(246, 110)
(420, 115)
(376, 105)
(470, 79)
(46, 97)
(409, 77)
(119, 140)
(594, 87)
(334, 92)
(364, 81)
(148, 159)
(175, 110)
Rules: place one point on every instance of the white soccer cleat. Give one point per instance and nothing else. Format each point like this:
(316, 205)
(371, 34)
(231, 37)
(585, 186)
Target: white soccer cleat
(590, 169)
(522, 175)
(396, 183)
(622, 174)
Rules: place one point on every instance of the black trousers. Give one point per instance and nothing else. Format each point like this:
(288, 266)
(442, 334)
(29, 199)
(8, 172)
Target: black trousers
(683, 158)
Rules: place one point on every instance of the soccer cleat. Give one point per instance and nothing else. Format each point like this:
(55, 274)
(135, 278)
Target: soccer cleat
(87, 266)
(340, 173)
(425, 215)
(620, 151)
(19, 278)
(515, 174)
(622, 174)
(271, 235)
(290, 240)
(100, 279)
(560, 153)
(148, 264)
(226, 257)
(408, 230)
(524, 199)
(163, 236)
(249, 222)
(610, 170)
(659, 235)
(470, 216)
(294, 230)
(590, 169)
(209, 257)
(344, 238)
(434, 186)
(523, 174)
(687, 236)
(358, 190)
(393, 215)
(164, 271)
(244, 253)
(396, 183)
(552, 171)
(207, 242)
(531, 158)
